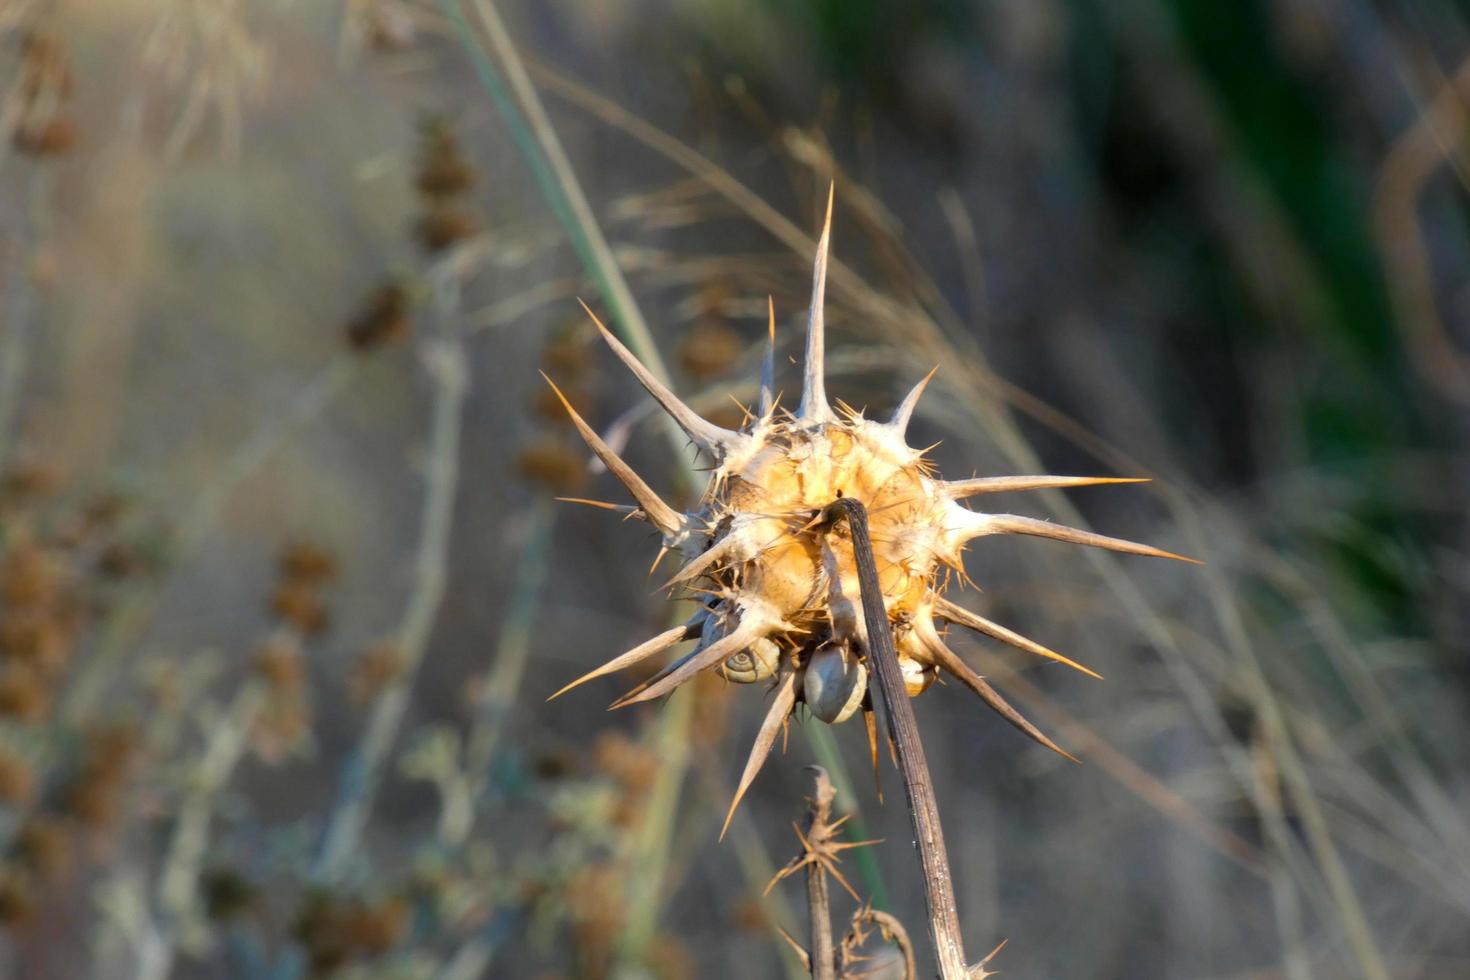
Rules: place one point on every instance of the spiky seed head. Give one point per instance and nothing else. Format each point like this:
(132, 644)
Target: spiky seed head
(780, 596)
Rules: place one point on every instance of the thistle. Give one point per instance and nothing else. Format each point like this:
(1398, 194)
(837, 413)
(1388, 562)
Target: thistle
(779, 599)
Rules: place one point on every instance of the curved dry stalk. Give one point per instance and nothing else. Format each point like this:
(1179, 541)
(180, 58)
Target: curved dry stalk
(890, 929)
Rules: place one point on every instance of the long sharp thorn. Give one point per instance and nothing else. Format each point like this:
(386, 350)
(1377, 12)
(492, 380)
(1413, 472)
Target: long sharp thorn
(959, 489)
(628, 510)
(1013, 524)
(959, 614)
(660, 514)
(870, 722)
(643, 651)
(951, 662)
(798, 949)
(685, 669)
(814, 407)
(768, 365)
(706, 434)
(700, 564)
(905, 410)
(780, 710)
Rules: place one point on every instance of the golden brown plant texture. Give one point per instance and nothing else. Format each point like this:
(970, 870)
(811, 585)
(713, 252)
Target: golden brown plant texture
(779, 594)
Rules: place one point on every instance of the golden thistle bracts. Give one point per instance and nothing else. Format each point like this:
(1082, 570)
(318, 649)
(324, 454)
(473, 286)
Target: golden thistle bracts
(780, 594)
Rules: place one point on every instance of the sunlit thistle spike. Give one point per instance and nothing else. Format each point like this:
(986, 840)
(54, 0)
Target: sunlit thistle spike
(706, 435)
(905, 410)
(870, 723)
(640, 653)
(960, 489)
(983, 524)
(775, 720)
(814, 407)
(660, 514)
(748, 630)
(964, 617)
(627, 510)
(951, 662)
(731, 547)
(768, 366)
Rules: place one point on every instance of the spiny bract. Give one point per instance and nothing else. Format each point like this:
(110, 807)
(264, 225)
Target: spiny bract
(780, 598)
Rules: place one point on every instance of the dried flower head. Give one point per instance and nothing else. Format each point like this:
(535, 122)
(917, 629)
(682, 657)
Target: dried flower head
(443, 170)
(383, 319)
(379, 665)
(307, 562)
(779, 593)
(17, 777)
(444, 224)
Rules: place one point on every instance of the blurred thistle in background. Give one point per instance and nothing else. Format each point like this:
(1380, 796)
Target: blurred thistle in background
(282, 590)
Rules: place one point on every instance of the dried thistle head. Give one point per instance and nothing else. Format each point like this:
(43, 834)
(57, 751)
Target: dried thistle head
(779, 593)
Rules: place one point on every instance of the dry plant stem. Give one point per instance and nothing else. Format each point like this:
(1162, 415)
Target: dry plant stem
(126, 624)
(944, 920)
(823, 960)
(501, 689)
(14, 339)
(542, 149)
(445, 362)
(178, 882)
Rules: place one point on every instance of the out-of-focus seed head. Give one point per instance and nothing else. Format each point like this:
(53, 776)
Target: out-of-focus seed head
(17, 777)
(372, 672)
(308, 563)
(710, 349)
(383, 320)
(443, 225)
(42, 847)
(553, 463)
(443, 170)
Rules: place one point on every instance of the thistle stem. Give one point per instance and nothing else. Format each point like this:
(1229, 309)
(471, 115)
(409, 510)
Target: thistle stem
(944, 920)
(824, 962)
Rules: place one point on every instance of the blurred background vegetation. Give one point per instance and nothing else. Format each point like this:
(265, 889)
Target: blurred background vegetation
(282, 588)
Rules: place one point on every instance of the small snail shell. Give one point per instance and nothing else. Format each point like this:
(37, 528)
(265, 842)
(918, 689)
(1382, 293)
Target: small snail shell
(755, 663)
(916, 676)
(834, 683)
